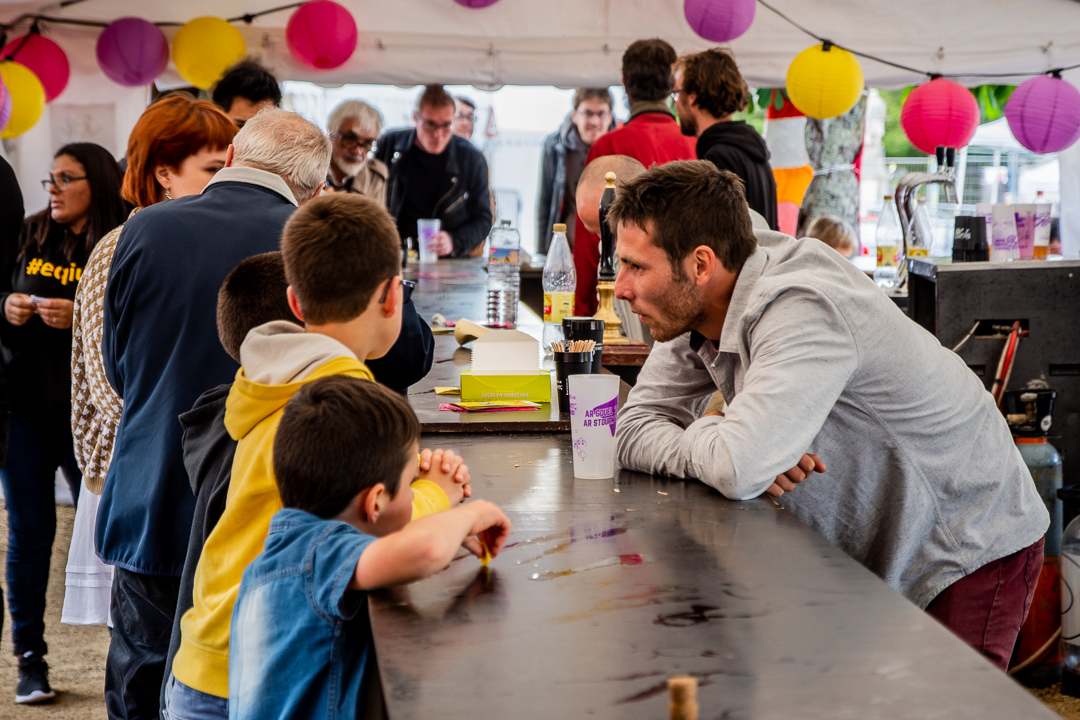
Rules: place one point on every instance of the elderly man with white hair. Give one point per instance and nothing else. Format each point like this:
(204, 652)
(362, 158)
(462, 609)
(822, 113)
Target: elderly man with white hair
(161, 352)
(354, 126)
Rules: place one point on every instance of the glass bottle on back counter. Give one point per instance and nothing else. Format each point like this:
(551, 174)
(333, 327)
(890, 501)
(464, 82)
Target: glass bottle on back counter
(560, 281)
(504, 275)
(887, 237)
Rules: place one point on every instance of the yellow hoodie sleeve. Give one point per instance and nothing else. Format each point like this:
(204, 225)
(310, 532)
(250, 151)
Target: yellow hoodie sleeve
(428, 499)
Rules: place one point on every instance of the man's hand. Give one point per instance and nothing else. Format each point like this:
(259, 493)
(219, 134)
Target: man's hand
(448, 470)
(787, 481)
(441, 243)
(18, 308)
(56, 312)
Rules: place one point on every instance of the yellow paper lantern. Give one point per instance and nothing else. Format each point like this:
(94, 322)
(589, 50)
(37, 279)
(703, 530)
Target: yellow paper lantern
(204, 48)
(824, 81)
(27, 98)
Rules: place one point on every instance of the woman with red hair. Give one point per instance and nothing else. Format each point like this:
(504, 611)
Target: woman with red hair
(175, 149)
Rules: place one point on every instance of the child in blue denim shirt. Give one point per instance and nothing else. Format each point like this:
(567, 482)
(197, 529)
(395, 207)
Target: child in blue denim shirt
(344, 460)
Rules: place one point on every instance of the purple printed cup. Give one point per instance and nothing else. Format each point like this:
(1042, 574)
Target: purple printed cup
(594, 403)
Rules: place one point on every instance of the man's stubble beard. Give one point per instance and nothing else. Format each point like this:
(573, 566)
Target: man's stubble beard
(683, 308)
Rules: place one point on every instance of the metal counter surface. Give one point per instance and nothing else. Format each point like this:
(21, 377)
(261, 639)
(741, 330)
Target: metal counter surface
(608, 587)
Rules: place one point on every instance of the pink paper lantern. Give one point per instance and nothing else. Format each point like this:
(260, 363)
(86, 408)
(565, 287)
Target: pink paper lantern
(1044, 114)
(132, 52)
(476, 3)
(719, 20)
(321, 34)
(44, 58)
(5, 105)
(940, 112)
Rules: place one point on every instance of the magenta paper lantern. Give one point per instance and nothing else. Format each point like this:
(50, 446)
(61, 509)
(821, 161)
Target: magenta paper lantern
(719, 20)
(476, 3)
(321, 34)
(132, 52)
(940, 112)
(5, 105)
(44, 58)
(1044, 114)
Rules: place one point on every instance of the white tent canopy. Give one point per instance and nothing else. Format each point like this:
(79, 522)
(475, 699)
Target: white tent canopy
(579, 42)
(566, 43)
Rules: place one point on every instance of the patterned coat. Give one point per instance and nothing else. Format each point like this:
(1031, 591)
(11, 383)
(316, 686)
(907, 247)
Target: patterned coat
(95, 406)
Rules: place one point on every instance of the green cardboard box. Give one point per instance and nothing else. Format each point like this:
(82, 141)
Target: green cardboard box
(536, 388)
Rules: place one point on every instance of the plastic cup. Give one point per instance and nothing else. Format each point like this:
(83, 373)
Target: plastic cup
(427, 228)
(586, 328)
(567, 364)
(594, 402)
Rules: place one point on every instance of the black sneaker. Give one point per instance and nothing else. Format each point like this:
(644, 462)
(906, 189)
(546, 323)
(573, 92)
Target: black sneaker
(33, 680)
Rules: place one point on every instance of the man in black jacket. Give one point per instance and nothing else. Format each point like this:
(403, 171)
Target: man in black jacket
(563, 159)
(708, 90)
(436, 174)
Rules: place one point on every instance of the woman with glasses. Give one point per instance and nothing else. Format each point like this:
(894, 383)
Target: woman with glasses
(354, 127)
(176, 147)
(38, 278)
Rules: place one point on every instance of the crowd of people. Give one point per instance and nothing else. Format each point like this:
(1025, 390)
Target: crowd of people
(242, 274)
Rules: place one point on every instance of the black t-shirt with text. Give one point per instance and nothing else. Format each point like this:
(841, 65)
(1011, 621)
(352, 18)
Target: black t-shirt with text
(36, 357)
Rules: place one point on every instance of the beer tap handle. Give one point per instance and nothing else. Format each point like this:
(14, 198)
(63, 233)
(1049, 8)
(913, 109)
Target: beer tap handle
(607, 236)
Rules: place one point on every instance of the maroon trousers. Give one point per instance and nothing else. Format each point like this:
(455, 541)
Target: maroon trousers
(986, 608)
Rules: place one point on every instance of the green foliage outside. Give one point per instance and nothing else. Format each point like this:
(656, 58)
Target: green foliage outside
(991, 100)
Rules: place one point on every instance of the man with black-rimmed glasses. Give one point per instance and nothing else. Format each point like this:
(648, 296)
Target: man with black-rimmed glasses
(436, 174)
(354, 126)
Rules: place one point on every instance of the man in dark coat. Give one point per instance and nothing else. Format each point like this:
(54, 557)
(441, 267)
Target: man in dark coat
(436, 174)
(563, 158)
(709, 89)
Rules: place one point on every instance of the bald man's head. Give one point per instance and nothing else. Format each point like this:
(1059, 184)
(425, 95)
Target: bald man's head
(591, 185)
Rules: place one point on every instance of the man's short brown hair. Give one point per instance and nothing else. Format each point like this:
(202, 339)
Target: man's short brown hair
(601, 94)
(646, 70)
(714, 77)
(338, 436)
(686, 204)
(434, 97)
(338, 250)
(253, 294)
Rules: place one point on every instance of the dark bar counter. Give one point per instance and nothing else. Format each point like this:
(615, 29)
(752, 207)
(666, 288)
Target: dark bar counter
(609, 587)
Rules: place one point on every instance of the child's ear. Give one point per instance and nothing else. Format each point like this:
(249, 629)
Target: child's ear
(391, 306)
(294, 304)
(370, 502)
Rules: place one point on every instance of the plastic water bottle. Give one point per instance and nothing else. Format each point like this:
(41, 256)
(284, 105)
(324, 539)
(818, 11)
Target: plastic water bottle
(560, 281)
(888, 239)
(504, 275)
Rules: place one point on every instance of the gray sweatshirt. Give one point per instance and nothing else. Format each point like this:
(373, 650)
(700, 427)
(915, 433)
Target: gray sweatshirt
(924, 483)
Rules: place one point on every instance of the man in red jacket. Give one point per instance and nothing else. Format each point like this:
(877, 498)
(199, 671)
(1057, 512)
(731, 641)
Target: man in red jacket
(651, 136)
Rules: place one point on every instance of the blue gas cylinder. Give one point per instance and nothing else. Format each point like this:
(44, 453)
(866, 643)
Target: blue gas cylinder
(1044, 462)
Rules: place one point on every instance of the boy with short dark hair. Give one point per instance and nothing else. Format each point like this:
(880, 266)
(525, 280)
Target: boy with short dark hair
(300, 638)
(343, 266)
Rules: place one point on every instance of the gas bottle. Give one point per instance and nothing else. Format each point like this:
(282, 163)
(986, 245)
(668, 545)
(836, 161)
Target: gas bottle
(1037, 656)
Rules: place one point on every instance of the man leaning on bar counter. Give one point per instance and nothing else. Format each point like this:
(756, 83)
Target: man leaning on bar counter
(925, 486)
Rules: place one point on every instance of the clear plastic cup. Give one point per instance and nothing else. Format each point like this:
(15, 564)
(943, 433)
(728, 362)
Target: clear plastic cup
(594, 403)
(427, 228)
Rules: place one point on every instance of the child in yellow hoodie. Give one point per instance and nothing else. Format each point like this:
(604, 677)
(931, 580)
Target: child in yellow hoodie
(342, 260)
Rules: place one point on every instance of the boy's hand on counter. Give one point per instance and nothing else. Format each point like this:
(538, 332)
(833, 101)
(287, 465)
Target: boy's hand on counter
(490, 528)
(448, 470)
(787, 481)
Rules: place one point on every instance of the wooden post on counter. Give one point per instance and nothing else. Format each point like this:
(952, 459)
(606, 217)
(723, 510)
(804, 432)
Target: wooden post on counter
(682, 697)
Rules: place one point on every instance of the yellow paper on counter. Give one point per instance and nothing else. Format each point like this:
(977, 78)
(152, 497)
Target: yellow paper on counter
(447, 390)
